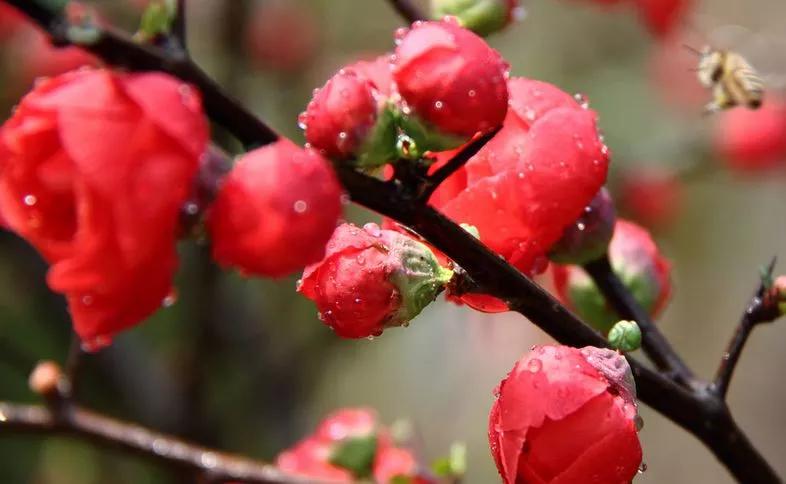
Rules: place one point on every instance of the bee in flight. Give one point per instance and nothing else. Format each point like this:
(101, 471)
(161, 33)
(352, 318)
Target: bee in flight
(733, 81)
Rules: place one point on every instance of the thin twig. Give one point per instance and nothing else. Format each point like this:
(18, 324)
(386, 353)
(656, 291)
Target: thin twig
(408, 10)
(179, 25)
(654, 344)
(74, 365)
(104, 431)
(762, 308)
(453, 165)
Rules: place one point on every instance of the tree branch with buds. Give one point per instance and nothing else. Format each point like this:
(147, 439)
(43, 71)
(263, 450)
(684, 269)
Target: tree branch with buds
(696, 408)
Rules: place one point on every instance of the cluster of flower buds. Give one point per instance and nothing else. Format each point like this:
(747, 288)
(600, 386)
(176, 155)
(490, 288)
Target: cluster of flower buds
(638, 263)
(566, 415)
(442, 86)
(351, 445)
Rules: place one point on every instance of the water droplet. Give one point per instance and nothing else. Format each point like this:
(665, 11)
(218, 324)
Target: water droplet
(520, 175)
(438, 105)
(582, 100)
(30, 200)
(642, 468)
(472, 93)
(87, 299)
(170, 299)
(300, 206)
(358, 300)
(302, 120)
(604, 150)
(360, 260)
(370, 337)
(581, 226)
(529, 114)
(191, 208)
(400, 34)
(372, 229)
(534, 365)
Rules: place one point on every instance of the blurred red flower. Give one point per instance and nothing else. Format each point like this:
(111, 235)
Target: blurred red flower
(282, 35)
(104, 218)
(652, 196)
(751, 141)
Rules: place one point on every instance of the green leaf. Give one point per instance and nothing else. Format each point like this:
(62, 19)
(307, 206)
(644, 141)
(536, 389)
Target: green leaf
(455, 465)
(356, 454)
(158, 18)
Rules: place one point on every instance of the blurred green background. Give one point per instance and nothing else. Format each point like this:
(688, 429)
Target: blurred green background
(245, 365)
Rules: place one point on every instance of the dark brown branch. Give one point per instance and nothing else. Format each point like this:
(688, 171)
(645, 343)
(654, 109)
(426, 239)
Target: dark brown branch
(654, 344)
(762, 308)
(104, 431)
(700, 412)
(454, 164)
(179, 24)
(408, 10)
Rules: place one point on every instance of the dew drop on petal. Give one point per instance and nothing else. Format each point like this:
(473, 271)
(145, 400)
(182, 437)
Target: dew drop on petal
(534, 365)
(300, 206)
(30, 200)
(438, 105)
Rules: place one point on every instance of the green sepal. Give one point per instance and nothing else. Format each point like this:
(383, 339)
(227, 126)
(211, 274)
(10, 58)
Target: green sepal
(426, 137)
(483, 17)
(356, 455)
(379, 146)
(419, 280)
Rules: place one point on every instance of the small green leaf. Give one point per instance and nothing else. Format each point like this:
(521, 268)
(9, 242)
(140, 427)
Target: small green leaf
(157, 19)
(455, 465)
(356, 455)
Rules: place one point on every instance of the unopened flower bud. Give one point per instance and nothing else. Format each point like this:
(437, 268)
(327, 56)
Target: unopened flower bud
(371, 279)
(589, 237)
(483, 17)
(45, 378)
(625, 336)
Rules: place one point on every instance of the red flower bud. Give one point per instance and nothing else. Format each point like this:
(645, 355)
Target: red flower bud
(662, 16)
(275, 210)
(587, 238)
(341, 115)
(282, 35)
(348, 445)
(652, 196)
(752, 141)
(104, 218)
(372, 279)
(565, 415)
(451, 78)
(637, 262)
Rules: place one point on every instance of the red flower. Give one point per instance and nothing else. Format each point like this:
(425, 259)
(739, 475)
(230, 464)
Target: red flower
(282, 35)
(752, 141)
(104, 217)
(372, 279)
(652, 196)
(275, 211)
(662, 17)
(451, 78)
(566, 416)
(341, 114)
(533, 179)
(348, 445)
(637, 261)
(394, 462)
(311, 458)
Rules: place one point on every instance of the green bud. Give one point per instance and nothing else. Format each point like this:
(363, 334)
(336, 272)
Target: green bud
(483, 17)
(356, 454)
(455, 465)
(419, 279)
(625, 336)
